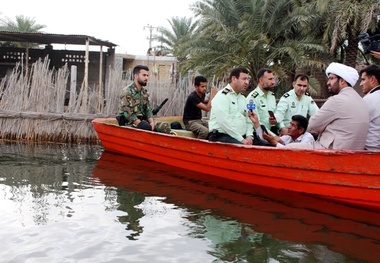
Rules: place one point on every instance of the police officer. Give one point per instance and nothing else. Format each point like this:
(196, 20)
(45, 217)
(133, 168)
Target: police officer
(295, 102)
(264, 98)
(228, 118)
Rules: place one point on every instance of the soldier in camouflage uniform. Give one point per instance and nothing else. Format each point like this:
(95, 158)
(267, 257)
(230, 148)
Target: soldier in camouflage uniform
(134, 101)
(135, 104)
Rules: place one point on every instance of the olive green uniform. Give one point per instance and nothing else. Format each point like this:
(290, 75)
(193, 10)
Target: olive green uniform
(229, 114)
(289, 105)
(264, 103)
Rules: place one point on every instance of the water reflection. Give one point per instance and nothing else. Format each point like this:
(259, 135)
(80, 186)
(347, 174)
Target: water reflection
(244, 223)
(44, 177)
(92, 206)
(129, 202)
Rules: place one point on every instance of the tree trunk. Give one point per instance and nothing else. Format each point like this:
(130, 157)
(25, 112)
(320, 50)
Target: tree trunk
(352, 49)
(321, 77)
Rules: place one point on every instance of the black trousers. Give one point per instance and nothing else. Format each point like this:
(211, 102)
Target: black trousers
(216, 136)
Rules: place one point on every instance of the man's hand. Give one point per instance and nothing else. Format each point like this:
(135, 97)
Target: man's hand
(213, 92)
(152, 125)
(375, 54)
(151, 122)
(272, 120)
(247, 141)
(271, 139)
(254, 118)
(283, 131)
(136, 122)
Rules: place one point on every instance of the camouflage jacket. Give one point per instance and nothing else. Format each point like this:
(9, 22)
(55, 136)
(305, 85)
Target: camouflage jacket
(135, 104)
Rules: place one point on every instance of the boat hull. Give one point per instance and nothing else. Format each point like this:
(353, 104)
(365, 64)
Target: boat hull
(346, 176)
(282, 214)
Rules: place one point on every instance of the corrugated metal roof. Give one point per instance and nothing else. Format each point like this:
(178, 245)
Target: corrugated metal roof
(43, 38)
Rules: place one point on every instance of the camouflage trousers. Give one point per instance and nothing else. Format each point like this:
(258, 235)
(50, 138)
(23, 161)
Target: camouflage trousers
(163, 127)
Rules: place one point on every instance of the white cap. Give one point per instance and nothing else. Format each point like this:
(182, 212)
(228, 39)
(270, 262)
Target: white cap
(349, 74)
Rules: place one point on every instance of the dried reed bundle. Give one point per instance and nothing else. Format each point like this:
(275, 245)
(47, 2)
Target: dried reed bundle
(32, 106)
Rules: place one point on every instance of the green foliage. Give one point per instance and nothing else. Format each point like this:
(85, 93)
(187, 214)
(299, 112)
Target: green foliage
(20, 24)
(254, 34)
(285, 35)
(174, 40)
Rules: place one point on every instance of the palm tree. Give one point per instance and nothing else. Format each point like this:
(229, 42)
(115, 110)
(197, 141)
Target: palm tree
(287, 35)
(174, 40)
(297, 42)
(215, 49)
(21, 24)
(344, 21)
(254, 34)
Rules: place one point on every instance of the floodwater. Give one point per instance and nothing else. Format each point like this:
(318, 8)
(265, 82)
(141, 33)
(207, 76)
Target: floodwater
(61, 203)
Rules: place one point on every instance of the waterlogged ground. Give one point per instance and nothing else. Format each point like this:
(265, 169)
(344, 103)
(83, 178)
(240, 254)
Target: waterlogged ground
(62, 203)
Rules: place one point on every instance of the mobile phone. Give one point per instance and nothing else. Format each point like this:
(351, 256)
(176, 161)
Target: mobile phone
(271, 114)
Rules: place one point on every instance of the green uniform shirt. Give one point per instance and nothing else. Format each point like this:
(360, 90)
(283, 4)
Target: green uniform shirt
(289, 105)
(264, 103)
(229, 114)
(135, 104)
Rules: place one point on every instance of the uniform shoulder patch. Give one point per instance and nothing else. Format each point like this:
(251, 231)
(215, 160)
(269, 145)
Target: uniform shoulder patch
(226, 91)
(286, 95)
(255, 94)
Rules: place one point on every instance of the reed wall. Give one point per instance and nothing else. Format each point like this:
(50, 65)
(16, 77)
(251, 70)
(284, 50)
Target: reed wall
(37, 105)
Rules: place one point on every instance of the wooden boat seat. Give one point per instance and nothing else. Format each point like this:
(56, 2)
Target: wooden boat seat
(185, 133)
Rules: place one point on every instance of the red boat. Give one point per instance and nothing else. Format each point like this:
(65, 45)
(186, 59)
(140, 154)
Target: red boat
(301, 218)
(341, 175)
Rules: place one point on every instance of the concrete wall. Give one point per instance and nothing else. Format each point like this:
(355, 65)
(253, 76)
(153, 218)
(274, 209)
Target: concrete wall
(162, 69)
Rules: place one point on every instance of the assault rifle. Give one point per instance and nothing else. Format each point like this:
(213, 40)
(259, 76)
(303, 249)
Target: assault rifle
(158, 107)
(122, 120)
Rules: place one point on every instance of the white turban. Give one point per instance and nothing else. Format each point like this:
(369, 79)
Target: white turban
(349, 74)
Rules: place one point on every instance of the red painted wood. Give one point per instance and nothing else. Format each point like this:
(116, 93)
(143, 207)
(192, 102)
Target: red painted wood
(282, 214)
(348, 176)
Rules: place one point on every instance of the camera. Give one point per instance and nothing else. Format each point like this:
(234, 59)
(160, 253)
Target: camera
(370, 43)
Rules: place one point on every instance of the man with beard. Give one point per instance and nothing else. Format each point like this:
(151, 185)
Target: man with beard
(134, 101)
(229, 120)
(343, 120)
(264, 99)
(295, 102)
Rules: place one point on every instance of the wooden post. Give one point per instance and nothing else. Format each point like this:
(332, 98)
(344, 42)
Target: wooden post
(27, 61)
(86, 61)
(73, 87)
(100, 103)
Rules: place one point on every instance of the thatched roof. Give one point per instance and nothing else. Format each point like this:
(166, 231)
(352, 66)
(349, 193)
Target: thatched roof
(43, 38)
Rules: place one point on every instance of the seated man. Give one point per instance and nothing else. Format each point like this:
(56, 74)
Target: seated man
(134, 101)
(296, 133)
(264, 98)
(343, 120)
(370, 83)
(229, 122)
(195, 103)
